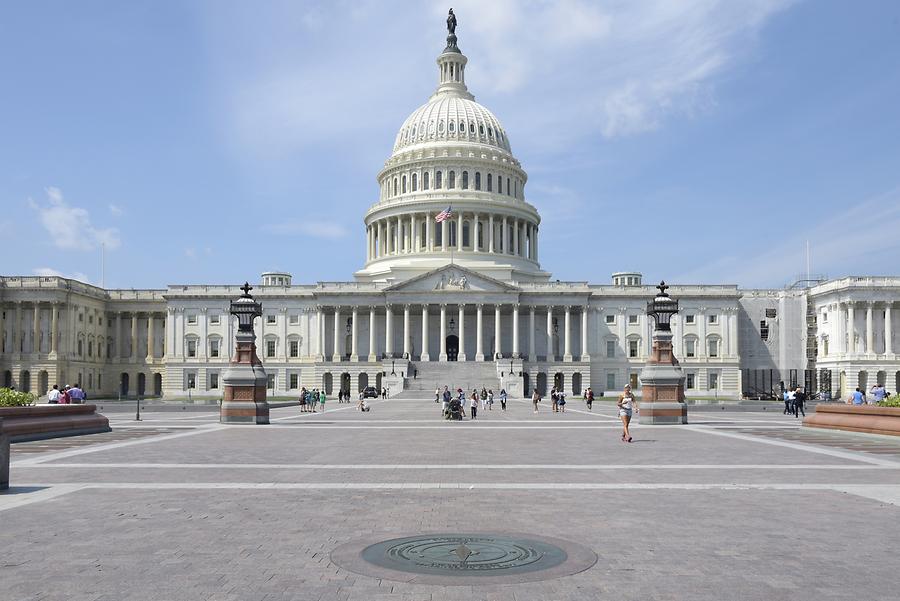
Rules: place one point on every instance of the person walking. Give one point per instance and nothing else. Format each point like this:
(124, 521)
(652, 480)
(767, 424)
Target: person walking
(561, 401)
(790, 402)
(787, 403)
(483, 397)
(437, 394)
(302, 399)
(878, 394)
(589, 398)
(461, 397)
(76, 394)
(799, 400)
(322, 401)
(473, 404)
(383, 392)
(554, 400)
(53, 395)
(535, 399)
(490, 400)
(503, 399)
(626, 404)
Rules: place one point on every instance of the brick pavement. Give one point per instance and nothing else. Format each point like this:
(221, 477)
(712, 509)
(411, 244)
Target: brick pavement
(743, 507)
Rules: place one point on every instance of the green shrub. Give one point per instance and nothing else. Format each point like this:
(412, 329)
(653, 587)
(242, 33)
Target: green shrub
(14, 398)
(893, 401)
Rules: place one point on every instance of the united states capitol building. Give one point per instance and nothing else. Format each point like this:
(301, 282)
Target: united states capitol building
(464, 301)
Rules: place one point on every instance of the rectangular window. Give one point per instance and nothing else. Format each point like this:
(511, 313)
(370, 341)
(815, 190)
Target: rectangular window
(213, 381)
(713, 381)
(689, 381)
(270, 348)
(90, 319)
(295, 348)
(610, 319)
(214, 348)
(764, 330)
(214, 319)
(633, 380)
(270, 384)
(771, 313)
(611, 381)
(632, 319)
(610, 349)
(295, 319)
(632, 348)
(689, 348)
(825, 317)
(192, 318)
(270, 319)
(713, 318)
(294, 381)
(713, 348)
(81, 317)
(689, 318)
(191, 379)
(192, 348)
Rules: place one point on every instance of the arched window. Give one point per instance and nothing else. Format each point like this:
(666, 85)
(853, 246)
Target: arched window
(415, 182)
(395, 186)
(478, 180)
(452, 228)
(438, 176)
(462, 127)
(499, 184)
(403, 185)
(490, 183)
(466, 235)
(508, 188)
(471, 128)
(481, 130)
(452, 127)
(491, 132)
(480, 229)
(516, 190)
(441, 127)
(90, 348)
(451, 177)
(423, 235)
(438, 236)
(414, 131)
(465, 180)
(425, 181)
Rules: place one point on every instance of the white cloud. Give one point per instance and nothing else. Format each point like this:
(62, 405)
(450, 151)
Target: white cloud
(116, 210)
(50, 272)
(69, 227)
(190, 253)
(317, 229)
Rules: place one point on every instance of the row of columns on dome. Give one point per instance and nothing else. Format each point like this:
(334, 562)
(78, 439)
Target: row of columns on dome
(497, 234)
(844, 338)
(453, 323)
(40, 328)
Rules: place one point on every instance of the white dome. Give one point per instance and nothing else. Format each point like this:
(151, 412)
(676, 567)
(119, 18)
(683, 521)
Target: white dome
(448, 118)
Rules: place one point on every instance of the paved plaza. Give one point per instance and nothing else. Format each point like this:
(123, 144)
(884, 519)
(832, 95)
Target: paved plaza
(734, 506)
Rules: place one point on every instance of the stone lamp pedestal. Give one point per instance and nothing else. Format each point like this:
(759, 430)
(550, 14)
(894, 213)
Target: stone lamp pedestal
(245, 385)
(662, 381)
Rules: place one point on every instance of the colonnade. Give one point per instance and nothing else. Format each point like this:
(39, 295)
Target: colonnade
(845, 339)
(465, 231)
(504, 314)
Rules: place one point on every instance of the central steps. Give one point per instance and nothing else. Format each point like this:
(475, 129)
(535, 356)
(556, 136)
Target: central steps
(467, 375)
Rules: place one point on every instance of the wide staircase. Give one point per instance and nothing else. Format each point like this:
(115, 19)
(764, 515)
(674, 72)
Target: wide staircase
(467, 375)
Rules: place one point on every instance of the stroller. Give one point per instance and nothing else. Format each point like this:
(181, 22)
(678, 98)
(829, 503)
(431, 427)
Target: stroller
(454, 412)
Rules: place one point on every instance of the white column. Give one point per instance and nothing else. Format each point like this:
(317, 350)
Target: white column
(550, 356)
(515, 225)
(462, 333)
(504, 237)
(389, 330)
(372, 355)
(498, 333)
(285, 351)
(424, 355)
(429, 238)
(491, 233)
(443, 355)
(336, 353)
(851, 328)
(476, 228)
(134, 336)
(320, 338)
(459, 231)
(888, 331)
(150, 336)
(399, 235)
(479, 334)
(531, 351)
(567, 355)
(585, 353)
(535, 243)
(870, 330)
(36, 330)
(354, 335)
(54, 327)
(515, 340)
(407, 352)
(413, 238)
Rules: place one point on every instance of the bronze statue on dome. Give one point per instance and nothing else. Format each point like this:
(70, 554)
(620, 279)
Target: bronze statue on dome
(451, 22)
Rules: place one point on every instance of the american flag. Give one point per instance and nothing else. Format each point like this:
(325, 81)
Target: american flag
(443, 215)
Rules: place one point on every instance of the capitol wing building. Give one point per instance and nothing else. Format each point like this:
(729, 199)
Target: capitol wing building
(452, 292)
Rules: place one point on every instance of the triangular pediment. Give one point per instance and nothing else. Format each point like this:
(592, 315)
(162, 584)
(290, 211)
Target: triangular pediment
(452, 278)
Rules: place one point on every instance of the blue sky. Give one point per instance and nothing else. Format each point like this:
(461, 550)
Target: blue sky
(206, 142)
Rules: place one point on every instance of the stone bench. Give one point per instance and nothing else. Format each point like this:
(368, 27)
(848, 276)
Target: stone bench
(870, 419)
(22, 424)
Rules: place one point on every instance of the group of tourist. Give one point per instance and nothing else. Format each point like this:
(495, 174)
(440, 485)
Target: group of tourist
(454, 406)
(858, 397)
(794, 401)
(68, 395)
(310, 398)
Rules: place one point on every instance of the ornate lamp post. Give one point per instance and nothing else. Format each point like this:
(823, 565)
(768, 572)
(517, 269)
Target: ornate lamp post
(662, 400)
(245, 379)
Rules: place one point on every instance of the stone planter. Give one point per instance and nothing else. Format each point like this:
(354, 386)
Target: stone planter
(51, 421)
(855, 418)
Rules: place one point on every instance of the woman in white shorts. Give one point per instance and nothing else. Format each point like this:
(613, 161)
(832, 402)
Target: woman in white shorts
(627, 404)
